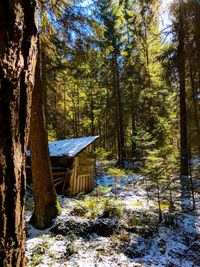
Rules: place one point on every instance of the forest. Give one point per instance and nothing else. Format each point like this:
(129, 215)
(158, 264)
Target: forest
(118, 82)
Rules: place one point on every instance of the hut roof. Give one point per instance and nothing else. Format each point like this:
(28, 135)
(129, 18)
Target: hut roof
(69, 147)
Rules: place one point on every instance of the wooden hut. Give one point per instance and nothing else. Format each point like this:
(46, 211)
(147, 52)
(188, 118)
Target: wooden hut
(73, 163)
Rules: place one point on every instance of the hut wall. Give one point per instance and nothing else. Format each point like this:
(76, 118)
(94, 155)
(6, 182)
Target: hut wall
(63, 161)
(82, 178)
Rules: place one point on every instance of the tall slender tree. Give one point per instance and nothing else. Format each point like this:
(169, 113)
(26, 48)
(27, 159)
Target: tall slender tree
(181, 72)
(109, 13)
(180, 28)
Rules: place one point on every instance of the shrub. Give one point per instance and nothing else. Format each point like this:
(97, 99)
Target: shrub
(92, 208)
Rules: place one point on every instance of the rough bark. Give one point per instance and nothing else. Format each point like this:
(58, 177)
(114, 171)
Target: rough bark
(45, 199)
(185, 183)
(18, 49)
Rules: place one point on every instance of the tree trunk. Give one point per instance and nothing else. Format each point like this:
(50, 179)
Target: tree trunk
(45, 200)
(183, 119)
(18, 51)
(78, 112)
(148, 82)
(196, 23)
(159, 202)
(118, 112)
(195, 103)
(43, 66)
(185, 183)
(133, 120)
(92, 110)
(65, 115)
(133, 102)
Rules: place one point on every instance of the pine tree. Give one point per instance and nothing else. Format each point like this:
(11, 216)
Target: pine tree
(109, 13)
(180, 33)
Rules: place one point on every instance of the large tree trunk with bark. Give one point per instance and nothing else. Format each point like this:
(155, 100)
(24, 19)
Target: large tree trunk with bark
(196, 22)
(45, 200)
(185, 182)
(18, 31)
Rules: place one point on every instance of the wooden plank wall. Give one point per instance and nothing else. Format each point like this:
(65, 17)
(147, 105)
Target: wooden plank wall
(82, 178)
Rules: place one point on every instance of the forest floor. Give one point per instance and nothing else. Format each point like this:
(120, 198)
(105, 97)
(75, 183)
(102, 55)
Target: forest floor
(107, 231)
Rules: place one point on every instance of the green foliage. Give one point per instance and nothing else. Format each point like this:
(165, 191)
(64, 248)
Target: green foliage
(35, 260)
(88, 208)
(47, 236)
(41, 248)
(160, 178)
(117, 173)
(72, 249)
(134, 219)
(101, 190)
(81, 100)
(93, 208)
(144, 142)
(112, 209)
(125, 48)
(102, 154)
(51, 133)
(38, 253)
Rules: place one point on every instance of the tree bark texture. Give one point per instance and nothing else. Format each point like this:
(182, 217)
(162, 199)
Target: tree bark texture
(18, 49)
(45, 199)
(185, 182)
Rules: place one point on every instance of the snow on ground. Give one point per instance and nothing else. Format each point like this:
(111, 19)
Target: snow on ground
(135, 239)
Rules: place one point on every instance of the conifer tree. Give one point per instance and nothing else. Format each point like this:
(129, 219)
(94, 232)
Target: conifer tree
(109, 13)
(180, 35)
